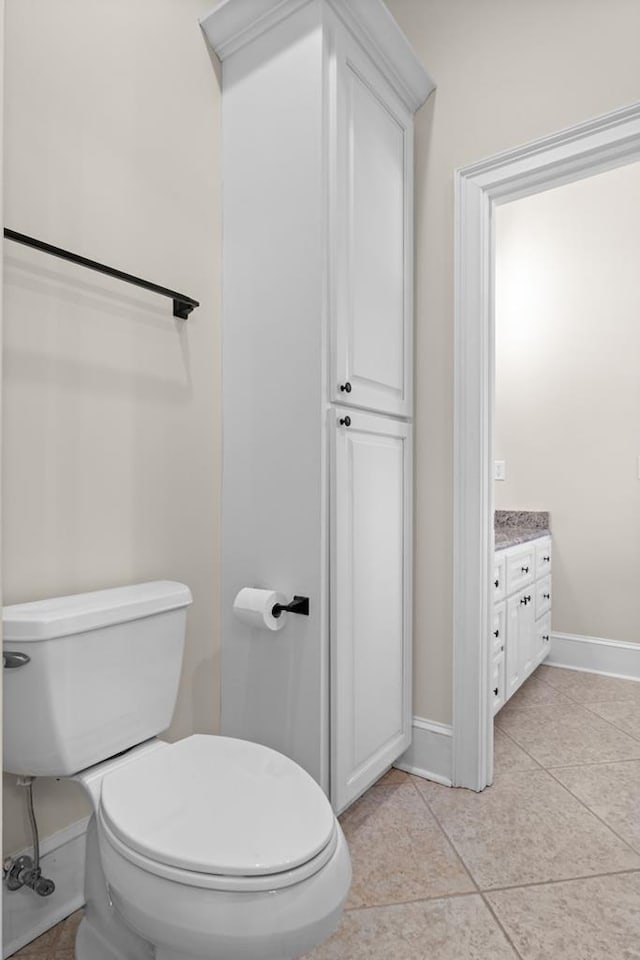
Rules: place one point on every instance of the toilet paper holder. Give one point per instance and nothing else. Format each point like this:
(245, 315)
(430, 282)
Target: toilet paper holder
(297, 605)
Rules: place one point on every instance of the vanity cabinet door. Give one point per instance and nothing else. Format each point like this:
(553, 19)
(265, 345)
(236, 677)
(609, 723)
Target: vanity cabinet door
(499, 578)
(520, 639)
(499, 629)
(373, 238)
(370, 648)
(543, 637)
(498, 682)
(543, 596)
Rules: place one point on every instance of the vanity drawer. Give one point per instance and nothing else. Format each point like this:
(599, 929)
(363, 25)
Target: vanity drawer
(497, 683)
(543, 596)
(498, 632)
(543, 557)
(520, 569)
(499, 583)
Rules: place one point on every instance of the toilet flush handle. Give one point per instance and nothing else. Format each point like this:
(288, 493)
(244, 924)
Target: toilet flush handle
(11, 659)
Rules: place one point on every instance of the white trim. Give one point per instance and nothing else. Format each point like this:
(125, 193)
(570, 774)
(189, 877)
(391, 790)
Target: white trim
(613, 658)
(25, 914)
(236, 23)
(430, 753)
(578, 152)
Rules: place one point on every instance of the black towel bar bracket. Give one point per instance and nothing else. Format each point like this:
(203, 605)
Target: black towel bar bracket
(182, 305)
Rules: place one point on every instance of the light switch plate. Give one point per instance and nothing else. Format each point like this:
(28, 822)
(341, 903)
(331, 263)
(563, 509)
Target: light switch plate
(499, 470)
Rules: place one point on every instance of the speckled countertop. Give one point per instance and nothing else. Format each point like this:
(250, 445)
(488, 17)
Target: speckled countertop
(519, 526)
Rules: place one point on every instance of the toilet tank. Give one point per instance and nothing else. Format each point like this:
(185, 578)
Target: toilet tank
(102, 676)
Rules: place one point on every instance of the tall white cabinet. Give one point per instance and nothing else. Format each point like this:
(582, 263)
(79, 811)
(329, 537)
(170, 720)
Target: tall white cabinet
(317, 138)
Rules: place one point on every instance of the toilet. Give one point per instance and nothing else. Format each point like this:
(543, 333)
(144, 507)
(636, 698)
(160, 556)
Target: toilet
(210, 848)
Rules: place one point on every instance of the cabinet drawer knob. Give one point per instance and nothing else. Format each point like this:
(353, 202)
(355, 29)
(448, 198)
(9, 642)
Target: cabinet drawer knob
(345, 387)
(345, 421)
(546, 596)
(525, 600)
(547, 559)
(525, 569)
(545, 636)
(496, 634)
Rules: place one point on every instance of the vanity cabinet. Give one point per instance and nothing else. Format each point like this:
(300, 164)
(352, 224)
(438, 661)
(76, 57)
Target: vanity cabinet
(523, 620)
(318, 101)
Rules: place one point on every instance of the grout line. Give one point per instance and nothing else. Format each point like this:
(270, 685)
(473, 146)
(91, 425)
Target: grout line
(549, 770)
(612, 723)
(404, 903)
(592, 763)
(515, 742)
(594, 814)
(500, 925)
(548, 883)
(446, 835)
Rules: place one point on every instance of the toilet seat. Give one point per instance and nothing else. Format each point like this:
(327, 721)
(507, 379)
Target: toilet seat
(219, 813)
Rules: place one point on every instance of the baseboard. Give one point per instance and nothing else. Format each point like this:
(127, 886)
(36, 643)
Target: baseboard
(615, 658)
(25, 915)
(431, 752)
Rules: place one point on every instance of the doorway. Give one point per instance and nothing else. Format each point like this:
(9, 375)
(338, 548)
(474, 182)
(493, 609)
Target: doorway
(591, 148)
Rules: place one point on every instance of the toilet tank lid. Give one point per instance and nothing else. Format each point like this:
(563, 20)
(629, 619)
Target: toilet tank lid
(62, 616)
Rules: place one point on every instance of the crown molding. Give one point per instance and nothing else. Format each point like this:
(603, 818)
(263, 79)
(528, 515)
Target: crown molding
(236, 23)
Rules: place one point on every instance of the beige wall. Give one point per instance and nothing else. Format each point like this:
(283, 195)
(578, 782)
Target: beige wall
(568, 390)
(508, 71)
(111, 467)
(111, 138)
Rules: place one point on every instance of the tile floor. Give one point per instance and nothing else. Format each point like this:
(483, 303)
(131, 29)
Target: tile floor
(544, 864)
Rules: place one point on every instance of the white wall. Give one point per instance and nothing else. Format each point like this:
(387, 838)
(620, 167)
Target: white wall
(568, 390)
(111, 467)
(507, 72)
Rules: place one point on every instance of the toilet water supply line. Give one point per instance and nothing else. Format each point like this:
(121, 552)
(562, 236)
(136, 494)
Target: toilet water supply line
(24, 871)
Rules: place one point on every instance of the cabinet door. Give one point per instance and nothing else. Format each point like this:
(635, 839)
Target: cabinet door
(370, 599)
(543, 637)
(371, 238)
(499, 577)
(498, 633)
(513, 662)
(520, 640)
(527, 634)
(497, 682)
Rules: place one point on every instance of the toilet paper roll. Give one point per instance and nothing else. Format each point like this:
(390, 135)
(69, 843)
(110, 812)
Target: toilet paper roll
(254, 606)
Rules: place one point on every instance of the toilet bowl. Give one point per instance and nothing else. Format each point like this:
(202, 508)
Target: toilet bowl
(213, 847)
(210, 848)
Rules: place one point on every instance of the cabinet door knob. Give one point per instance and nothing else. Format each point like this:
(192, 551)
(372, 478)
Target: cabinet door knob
(547, 559)
(546, 596)
(525, 569)
(495, 691)
(497, 583)
(496, 634)
(345, 421)
(345, 387)
(502, 648)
